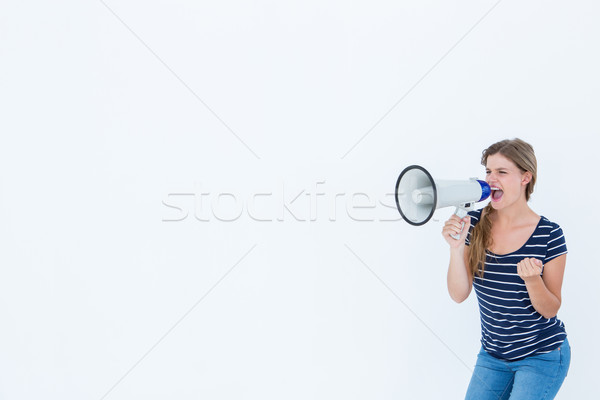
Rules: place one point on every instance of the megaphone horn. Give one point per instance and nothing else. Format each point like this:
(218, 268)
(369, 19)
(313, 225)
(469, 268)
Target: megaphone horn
(418, 195)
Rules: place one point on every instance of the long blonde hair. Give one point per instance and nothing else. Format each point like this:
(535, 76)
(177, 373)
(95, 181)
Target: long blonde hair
(522, 154)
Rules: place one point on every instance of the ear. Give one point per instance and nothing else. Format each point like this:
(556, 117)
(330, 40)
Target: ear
(526, 178)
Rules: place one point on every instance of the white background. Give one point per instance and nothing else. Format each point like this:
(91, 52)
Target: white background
(108, 109)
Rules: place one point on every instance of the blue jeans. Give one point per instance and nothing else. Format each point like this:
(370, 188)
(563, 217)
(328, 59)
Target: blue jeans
(535, 377)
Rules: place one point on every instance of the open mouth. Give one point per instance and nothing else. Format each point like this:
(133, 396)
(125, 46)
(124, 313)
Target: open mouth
(496, 194)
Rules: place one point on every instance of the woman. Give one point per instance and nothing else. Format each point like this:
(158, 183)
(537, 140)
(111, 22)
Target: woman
(515, 260)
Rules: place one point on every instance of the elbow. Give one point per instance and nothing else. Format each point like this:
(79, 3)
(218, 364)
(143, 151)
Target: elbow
(548, 314)
(458, 293)
(459, 297)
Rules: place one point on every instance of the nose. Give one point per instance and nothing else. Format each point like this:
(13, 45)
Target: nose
(492, 182)
(491, 177)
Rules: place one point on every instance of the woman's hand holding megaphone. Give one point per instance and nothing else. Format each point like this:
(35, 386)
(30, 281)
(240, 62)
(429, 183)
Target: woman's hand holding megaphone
(454, 226)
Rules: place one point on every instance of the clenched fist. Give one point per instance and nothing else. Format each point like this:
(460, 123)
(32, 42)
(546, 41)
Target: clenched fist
(529, 268)
(456, 226)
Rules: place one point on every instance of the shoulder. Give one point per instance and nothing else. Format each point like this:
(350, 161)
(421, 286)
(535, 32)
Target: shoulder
(556, 244)
(549, 226)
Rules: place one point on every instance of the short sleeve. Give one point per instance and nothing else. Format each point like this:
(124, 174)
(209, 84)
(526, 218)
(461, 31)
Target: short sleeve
(475, 215)
(557, 244)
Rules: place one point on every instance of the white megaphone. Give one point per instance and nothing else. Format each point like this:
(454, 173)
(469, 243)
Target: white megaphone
(418, 195)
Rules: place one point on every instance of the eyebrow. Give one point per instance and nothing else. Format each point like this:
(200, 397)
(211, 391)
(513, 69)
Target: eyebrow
(497, 169)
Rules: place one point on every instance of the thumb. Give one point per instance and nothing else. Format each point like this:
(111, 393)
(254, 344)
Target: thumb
(467, 221)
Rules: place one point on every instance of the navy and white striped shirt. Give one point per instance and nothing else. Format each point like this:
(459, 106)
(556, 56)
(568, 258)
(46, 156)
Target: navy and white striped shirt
(511, 328)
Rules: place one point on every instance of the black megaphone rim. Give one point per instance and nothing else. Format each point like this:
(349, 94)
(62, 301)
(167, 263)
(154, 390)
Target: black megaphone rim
(409, 168)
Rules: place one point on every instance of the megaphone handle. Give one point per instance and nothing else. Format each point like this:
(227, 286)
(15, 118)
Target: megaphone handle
(461, 213)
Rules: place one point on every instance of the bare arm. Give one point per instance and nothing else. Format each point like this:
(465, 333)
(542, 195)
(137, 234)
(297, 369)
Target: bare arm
(459, 278)
(544, 291)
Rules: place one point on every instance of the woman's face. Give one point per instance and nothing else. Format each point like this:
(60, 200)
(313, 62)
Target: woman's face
(511, 182)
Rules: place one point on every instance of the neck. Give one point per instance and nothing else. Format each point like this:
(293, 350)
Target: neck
(514, 214)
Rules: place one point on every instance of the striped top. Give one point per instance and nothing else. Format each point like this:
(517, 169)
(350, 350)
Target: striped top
(511, 329)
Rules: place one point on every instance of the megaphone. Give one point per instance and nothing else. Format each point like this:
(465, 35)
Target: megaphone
(418, 195)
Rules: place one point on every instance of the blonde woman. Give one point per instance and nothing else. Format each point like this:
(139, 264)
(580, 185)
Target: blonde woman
(515, 259)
